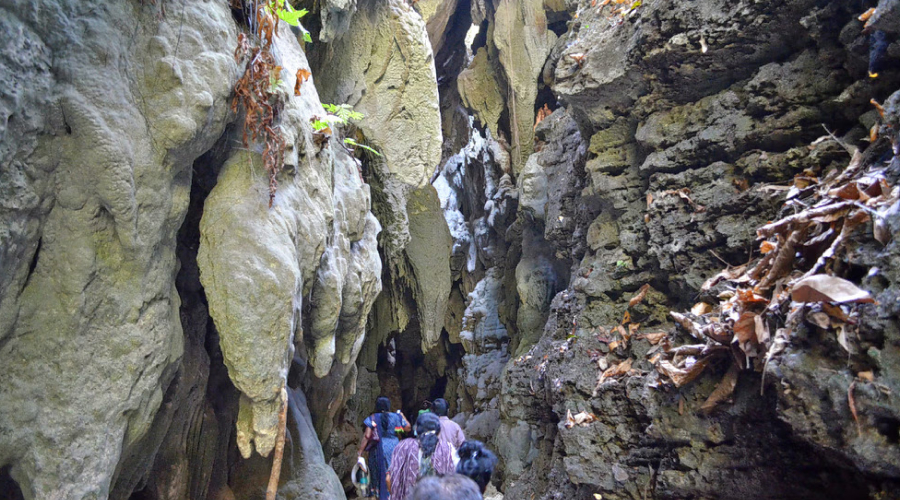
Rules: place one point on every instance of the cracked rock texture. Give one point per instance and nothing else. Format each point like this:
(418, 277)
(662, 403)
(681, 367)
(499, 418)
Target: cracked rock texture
(715, 101)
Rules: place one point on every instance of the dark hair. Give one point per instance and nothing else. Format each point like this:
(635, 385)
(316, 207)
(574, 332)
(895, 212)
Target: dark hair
(428, 428)
(383, 406)
(449, 487)
(477, 462)
(440, 407)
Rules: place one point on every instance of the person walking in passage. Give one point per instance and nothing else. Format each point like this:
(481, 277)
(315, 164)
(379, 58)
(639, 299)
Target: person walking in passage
(476, 462)
(449, 487)
(422, 456)
(450, 430)
(381, 450)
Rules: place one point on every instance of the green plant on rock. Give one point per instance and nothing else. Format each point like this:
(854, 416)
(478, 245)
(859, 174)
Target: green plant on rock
(339, 115)
(287, 13)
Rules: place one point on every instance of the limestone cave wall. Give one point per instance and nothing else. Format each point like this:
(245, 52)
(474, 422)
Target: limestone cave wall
(540, 164)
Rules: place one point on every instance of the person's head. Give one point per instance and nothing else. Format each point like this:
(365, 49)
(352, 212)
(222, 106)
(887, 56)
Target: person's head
(382, 404)
(440, 407)
(449, 487)
(428, 428)
(476, 462)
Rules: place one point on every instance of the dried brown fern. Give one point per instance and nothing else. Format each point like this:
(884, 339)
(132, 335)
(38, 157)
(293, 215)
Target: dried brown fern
(255, 92)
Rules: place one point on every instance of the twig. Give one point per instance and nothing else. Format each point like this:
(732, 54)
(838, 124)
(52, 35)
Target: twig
(272, 488)
(782, 263)
(723, 261)
(802, 217)
(852, 401)
(847, 148)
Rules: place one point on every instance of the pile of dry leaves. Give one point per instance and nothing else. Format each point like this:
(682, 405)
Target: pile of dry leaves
(795, 280)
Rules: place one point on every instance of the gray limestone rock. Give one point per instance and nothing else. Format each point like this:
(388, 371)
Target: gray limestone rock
(259, 265)
(110, 107)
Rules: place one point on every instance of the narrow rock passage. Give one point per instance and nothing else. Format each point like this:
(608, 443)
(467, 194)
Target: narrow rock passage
(644, 249)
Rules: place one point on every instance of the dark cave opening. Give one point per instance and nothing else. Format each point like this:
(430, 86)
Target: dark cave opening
(414, 378)
(9, 488)
(197, 419)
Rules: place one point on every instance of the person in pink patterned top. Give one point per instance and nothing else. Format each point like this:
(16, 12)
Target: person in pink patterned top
(422, 456)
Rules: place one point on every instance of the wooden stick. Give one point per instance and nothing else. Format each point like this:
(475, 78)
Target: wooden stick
(803, 217)
(272, 489)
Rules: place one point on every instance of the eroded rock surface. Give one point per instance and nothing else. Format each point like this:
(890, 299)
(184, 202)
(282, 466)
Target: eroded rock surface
(317, 242)
(110, 106)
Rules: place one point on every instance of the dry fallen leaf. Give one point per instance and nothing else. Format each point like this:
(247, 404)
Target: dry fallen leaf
(701, 308)
(649, 199)
(880, 230)
(681, 376)
(302, 75)
(824, 288)
(723, 390)
(745, 328)
(847, 192)
(868, 376)
(766, 247)
(820, 319)
(582, 418)
(637, 299)
(653, 338)
(762, 330)
(842, 339)
(835, 312)
(616, 370)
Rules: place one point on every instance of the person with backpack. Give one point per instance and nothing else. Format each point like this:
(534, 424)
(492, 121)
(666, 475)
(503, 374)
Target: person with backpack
(380, 439)
(422, 456)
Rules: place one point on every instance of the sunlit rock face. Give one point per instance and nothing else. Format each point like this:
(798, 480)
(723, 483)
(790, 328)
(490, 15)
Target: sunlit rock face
(104, 108)
(259, 265)
(383, 66)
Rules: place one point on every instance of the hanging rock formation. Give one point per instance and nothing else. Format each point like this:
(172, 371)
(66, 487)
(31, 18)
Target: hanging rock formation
(383, 66)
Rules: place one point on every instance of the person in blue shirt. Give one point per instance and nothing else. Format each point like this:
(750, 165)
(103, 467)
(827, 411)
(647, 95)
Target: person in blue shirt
(387, 425)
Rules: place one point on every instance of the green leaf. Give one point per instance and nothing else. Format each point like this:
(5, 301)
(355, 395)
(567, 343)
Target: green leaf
(355, 144)
(289, 15)
(320, 125)
(306, 37)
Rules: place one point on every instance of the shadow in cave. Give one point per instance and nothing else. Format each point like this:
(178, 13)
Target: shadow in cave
(192, 436)
(9, 488)
(414, 378)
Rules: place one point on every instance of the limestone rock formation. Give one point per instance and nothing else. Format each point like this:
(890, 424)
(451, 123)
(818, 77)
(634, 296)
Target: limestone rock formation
(683, 129)
(318, 241)
(109, 109)
(384, 67)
